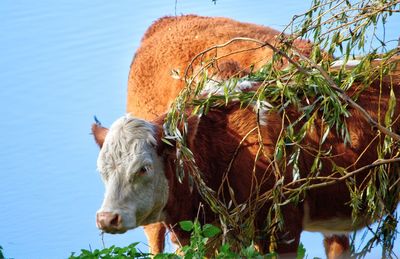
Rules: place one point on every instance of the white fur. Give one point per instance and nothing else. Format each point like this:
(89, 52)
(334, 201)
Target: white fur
(138, 198)
(349, 64)
(246, 85)
(262, 107)
(331, 226)
(213, 87)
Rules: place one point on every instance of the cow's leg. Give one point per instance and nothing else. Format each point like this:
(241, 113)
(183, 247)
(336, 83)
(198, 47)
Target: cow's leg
(337, 246)
(155, 234)
(288, 239)
(179, 237)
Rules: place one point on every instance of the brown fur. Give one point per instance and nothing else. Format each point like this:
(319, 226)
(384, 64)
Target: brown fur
(172, 42)
(155, 234)
(337, 246)
(99, 133)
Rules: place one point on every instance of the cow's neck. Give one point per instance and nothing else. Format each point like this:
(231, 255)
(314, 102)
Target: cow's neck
(182, 202)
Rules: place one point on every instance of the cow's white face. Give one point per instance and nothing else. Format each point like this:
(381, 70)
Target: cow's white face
(136, 189)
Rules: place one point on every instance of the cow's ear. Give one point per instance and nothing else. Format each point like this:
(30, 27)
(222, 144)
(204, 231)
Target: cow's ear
(99, 133)
(159, 145)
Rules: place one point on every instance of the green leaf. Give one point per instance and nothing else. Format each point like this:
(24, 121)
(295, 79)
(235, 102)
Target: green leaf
(166, 142)
(279, 150)
(186, 225)
(301, 252)
(391, 108)
(210, 230)
(327, 130)
(225, 248)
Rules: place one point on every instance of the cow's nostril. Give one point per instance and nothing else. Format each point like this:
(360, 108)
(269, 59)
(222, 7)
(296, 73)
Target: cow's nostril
(109, 222)
(116, 220)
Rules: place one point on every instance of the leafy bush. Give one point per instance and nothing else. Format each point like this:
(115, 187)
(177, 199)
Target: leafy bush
(198, 247)
(112, 252)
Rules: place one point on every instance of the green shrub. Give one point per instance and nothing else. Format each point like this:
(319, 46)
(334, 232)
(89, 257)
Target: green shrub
(111, 252)
(197, 249)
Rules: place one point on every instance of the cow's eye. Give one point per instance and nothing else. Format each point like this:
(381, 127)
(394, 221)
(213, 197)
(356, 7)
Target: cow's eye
(142, 170)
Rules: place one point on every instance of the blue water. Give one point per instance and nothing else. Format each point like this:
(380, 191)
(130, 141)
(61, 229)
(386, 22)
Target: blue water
(61, 63)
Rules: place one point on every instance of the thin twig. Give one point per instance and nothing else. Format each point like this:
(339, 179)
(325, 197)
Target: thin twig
(350, 101)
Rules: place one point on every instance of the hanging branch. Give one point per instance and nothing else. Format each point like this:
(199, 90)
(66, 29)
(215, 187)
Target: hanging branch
(306, 79)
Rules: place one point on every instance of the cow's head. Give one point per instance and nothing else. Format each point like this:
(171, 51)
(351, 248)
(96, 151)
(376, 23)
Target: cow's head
(136, 189)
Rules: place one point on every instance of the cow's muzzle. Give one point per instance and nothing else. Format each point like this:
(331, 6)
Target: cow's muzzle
(110, 222)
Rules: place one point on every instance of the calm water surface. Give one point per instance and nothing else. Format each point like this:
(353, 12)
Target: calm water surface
(61, 63)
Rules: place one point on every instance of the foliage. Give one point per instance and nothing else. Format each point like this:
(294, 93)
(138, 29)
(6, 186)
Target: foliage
(318, 94)
(2, 256)
(111, 252)
(1, 253)
(199, 243)
(198, 247)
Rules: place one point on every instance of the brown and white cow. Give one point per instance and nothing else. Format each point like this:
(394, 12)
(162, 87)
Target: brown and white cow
(170, 44)
(138, 169)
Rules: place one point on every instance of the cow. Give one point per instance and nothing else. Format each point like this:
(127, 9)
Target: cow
(170, 44)
(138, 168)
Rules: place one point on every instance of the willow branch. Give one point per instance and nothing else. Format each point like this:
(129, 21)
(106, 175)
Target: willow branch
(218, 46)
(327, 181)
(350, 101)
(352, 173)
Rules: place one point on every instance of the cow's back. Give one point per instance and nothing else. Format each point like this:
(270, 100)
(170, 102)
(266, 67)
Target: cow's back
(172, 42)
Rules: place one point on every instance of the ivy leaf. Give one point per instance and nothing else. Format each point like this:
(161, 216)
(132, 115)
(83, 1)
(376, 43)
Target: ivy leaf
(301, 252)
(186, 225)
(210, 230)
